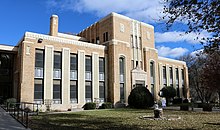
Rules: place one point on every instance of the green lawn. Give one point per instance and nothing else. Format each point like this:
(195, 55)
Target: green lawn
(125, 119)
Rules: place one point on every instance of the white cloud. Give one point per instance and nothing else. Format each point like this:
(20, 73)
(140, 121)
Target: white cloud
(171, 52)
(143, 10)
(177, 36)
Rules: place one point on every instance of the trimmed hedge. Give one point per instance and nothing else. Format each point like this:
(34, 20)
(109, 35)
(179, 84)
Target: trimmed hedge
(184, 107)
(89, 106)
(106, 105)
(207, 107)
(140, 97)
(177, 101)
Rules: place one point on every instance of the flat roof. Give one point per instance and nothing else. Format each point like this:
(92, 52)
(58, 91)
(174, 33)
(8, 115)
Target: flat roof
(8, 48)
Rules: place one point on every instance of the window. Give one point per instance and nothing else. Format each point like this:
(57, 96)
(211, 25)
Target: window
(122, 92)
(57, 92)
(171, 76)
(164, 76)
(88, 85)
(57, 65)
(121, 69)
(88, 68)
(39, 58)
(152, 72)
(140, 42)
(93, 41)
(101, 69)
(122, 77)
(39, 63)
(105, 36)
(73, 67)
(57, 60)
(101, 90)
(132, 40)
(183, 89)
(152, 76)
(177, 82)
(73, 92)
(38, 90)
(97, 40)
(136, 42)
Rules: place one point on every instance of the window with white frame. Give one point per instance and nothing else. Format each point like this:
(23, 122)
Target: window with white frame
(57, 65)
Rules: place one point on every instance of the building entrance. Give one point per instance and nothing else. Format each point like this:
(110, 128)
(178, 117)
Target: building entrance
(6, 75)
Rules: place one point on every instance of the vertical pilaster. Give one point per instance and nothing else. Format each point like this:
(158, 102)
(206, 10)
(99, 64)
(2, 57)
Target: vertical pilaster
(81, 76)
(48, 72)
(65, 75)
(95, 76)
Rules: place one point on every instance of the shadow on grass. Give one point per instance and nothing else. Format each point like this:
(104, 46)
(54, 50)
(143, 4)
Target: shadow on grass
(79, 121)
(212, 123)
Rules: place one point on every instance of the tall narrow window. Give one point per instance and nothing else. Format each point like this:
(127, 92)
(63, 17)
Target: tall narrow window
(73, 67)
(57, 92)
(136, 41)
(152, 77)
(57, 65)
(140, 43)
(73, 79)
(105, 36)
(97, 40)
(39, 76)
(101, 79)
(131, 38)
(122, 74)
(164, 76)
(38, 91)
(73, 92)
(39, 63)
(171, 76)
(88, 78)
(102, 91)
(88, 91)
(177, 82)
(182, 78)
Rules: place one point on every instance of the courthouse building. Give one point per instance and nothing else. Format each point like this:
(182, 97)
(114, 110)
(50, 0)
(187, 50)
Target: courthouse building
(103, 62)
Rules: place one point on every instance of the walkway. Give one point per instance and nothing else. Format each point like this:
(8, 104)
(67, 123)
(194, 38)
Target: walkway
(7, 122)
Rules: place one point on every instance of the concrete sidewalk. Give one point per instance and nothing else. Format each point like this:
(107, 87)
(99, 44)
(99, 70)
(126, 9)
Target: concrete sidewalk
(7, 122)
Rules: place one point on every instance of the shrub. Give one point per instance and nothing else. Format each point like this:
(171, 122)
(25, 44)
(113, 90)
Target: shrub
(89, 106)
(167, 92)
(207, 107)
(177, 101)
(140, 97)
(106, 105)
(185, 101)
(184, 107)
(11, 102)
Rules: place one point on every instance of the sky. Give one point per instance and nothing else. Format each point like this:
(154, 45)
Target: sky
(19, 16)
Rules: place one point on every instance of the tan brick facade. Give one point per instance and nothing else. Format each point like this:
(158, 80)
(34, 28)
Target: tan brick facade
(112, 38)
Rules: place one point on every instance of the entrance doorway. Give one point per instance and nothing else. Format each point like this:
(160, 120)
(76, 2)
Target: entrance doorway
(139, 83)
(6, 75)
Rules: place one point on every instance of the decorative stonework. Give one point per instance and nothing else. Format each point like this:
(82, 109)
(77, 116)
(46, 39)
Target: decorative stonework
(122, 27)
(138, 74)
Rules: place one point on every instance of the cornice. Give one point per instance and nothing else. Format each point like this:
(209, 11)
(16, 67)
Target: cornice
(63, 40)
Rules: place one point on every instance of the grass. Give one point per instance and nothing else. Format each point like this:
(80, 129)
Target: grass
(125, 119)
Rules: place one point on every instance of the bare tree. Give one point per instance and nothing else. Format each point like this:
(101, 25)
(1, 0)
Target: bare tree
(199, 15)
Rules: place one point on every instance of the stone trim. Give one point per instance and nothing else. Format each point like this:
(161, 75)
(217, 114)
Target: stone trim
(63, 40)
(8, 48)
(171, 60)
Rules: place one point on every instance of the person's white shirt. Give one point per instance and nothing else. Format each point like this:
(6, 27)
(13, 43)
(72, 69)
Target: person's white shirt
(163, 102)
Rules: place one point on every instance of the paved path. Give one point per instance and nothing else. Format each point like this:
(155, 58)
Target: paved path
(9, 123)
